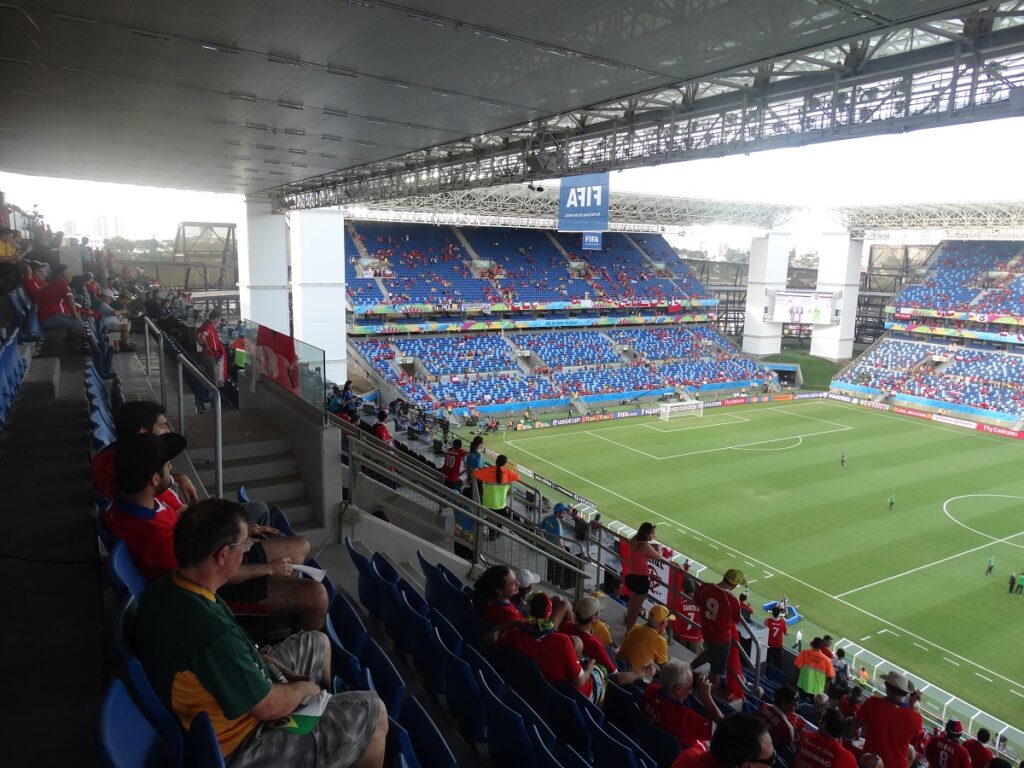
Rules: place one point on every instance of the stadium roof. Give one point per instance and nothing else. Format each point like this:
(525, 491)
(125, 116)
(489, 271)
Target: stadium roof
(966, 220)
(520, 206)
(327, 102)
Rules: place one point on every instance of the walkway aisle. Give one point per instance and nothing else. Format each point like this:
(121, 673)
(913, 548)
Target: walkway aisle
(52, 636)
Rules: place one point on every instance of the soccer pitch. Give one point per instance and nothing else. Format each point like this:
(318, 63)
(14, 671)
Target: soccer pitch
(761, 488)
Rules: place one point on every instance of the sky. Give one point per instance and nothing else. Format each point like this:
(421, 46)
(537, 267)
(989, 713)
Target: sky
(964, 163)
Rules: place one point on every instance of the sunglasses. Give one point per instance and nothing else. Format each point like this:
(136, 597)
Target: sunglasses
(245, 545)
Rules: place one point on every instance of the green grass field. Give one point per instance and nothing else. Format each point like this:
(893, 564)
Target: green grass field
(760, 488)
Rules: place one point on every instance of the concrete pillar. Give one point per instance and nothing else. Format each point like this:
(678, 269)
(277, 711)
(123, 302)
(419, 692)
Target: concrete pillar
(318, 284)
(263, 267)
(839, 259)
(769, 265)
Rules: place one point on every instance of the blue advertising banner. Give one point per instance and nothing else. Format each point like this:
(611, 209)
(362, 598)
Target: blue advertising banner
(583, 203)
(592, 241)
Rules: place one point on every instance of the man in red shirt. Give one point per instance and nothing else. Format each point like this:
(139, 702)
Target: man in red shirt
(451, 470)
(826, 646)
(777, 630)
(980, 754)
(740, 741)
(891, 720)
(945, 750)
(212, 352)
(719, 614)
(56, 308)
(138, 516)
(784, 724)
(665, 703)
(823, 749)
(380, 429)
(687, 626)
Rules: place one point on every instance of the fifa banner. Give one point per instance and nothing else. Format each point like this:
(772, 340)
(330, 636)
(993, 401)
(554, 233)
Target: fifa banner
(592, 241)
(666, 582)
(583, 203)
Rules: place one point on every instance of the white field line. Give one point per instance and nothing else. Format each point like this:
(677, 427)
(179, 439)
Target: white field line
(623, 445)
(783, 409)
(954, 663)
(920, 422)
(1017, 693)
(759, 442)
(797, 444)
(993, 539)
(978, 674)
(792, 578)
(736, 419)
(935, 562)
(922, 647)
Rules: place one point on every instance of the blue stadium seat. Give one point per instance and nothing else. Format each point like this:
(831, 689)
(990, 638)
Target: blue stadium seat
(434, 593)
(390, 608)
(366, 586)
(507, 740)
(430, 746)
(621, 709)
(348, 623)
(157, 711)
(531, 719)
(609, 752)
(543, 753)
(328, 584)
(424, 641)
(569, 721)
(201, 747)
(388, 682)
(343, 663)
(463, 696)
(126, 737)
(450, 636)
(478, 663)
(125, 577)
(399, 746)
(661, 745)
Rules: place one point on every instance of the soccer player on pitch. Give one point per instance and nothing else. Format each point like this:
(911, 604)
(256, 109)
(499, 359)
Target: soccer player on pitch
(891, 501)
(842, 459)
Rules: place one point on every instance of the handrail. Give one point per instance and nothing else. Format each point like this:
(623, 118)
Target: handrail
(218, 426)
(149, 324)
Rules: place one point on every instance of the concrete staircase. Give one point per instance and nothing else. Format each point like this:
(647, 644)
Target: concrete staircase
(257, 455)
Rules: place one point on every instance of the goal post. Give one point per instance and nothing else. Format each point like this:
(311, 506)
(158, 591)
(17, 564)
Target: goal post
(668, 411)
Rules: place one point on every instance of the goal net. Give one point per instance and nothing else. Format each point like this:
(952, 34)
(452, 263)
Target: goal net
(690, 408)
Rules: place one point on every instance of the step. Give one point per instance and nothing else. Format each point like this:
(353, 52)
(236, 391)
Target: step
(299, 511)
(246, 470)
(271, 490)
(246, 450)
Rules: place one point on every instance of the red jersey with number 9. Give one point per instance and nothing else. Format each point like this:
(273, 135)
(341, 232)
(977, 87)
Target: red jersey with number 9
(719, 613)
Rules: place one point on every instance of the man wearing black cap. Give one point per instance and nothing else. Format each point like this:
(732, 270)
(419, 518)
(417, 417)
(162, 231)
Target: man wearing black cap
(142, 466)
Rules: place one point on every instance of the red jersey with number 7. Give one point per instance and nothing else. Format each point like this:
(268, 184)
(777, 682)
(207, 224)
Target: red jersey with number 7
(777, 629)
(719, 613)
(686, 631)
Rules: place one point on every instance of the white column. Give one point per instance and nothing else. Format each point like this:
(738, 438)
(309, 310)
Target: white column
(769, 265)
(263, 267)
(318, 284)
(838, 272)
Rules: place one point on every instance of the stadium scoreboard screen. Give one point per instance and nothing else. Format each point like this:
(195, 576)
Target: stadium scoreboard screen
(805, 307)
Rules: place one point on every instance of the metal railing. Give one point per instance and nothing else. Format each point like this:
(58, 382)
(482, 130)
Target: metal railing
(218, 425)
(147, 328)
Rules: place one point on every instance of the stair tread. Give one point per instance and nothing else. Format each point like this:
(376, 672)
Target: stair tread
(249, 461)
(264, 482)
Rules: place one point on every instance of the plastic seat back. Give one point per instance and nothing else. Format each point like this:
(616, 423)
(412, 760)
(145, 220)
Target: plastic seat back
(463, 696)
(125, 577)
(158, 713)
(478, 663)
(366, 587)
(430, 747)
(424, 641)
(620, 708)
(608, 752)
(661, 745)
(507, 740)
(568, 721)
(343, 664)
(348, 623)
(434, 591)
(201, 747)
(393, 622)
(545, 755)
(126, 737)
(399, 746)
(530, 717)
(449, 634)
(388, 682)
